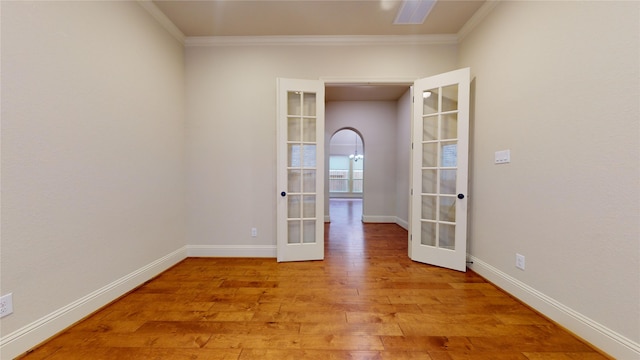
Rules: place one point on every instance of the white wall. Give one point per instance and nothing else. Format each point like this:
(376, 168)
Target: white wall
(376, 122)
(231, 104)
(403, 161)
(558, 84)
(92, 158)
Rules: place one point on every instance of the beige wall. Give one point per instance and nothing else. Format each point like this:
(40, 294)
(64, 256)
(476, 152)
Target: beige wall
(403, 156)
(231, 104)
(558, 84)
(92, 156)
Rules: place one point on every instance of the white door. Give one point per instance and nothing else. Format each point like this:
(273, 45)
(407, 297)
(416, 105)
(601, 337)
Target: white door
(300, 170)
(439, 169)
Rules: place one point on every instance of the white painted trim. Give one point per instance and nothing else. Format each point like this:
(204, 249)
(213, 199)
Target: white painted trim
(591, 331)
(23, 339)
(445, 39)
(162, 19)
(476, 19)
(341, 80)
(249, 251)
(402, 223)
(378, 219)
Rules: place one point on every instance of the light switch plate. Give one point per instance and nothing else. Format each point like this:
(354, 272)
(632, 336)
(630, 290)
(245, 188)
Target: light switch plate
(503, 157)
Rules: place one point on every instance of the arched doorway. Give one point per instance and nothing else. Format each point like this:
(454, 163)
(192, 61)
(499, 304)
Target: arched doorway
(346, 172)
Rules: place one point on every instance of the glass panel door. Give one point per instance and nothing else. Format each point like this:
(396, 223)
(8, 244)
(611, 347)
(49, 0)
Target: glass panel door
(439, 168)
(300, 230)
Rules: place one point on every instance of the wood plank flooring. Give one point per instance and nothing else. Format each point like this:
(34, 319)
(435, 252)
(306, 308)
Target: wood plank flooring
(366, 300)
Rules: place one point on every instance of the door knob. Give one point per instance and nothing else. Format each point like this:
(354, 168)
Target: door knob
(283, 194)
(460, 196)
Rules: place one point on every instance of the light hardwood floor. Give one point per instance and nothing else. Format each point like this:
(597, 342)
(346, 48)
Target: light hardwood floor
(366, 300)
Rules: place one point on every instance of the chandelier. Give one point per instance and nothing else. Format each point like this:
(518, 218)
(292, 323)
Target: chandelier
(355, 156)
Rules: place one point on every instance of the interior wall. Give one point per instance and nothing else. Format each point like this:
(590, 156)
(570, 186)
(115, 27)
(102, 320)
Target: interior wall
(376, 122)
(92, 150)
(557, 84)
(231, 104)
(403, 158)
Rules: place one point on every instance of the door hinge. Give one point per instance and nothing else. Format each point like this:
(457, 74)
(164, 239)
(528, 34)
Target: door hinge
(411, 191)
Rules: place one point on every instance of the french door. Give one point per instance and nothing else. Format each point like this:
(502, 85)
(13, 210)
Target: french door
(300, 170)
(438, 201)
(438, 224)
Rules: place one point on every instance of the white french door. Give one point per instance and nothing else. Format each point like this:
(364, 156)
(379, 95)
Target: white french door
(300, 170)
(440, 169)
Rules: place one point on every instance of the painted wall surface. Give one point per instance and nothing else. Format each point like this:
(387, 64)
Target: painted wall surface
(558, 84)
(403, 157)
(376, 122)
(92, 150)
(231, 111)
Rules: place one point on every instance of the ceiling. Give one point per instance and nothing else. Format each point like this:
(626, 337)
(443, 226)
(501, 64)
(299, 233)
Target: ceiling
(310, 17)
(208, 18)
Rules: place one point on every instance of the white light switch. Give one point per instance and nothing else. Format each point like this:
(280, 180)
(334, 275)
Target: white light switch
(503, 156)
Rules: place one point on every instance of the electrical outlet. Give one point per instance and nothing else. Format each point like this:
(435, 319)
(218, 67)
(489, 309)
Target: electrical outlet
(520, 261)
(6, 305)
(254, 232)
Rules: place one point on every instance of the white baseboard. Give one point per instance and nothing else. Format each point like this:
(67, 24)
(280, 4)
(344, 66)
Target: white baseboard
(402, 223)
(378, 219)
(262, 251)
(25, 338)
(591, 331)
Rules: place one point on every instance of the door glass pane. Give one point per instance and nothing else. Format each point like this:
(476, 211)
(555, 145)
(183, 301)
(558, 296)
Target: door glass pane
(429, 155)
(309, 182)
(293, 233)
(429, 181)
(294, 103)
(428, 233)
(309, 156)
(450, 98)
(294, 181)
(309, 104)
(293, 211)
(429, 204)
(430, 128)
(449, 153)
(448, 181)
(293, 155)
(448, 208)
(309, 206)
(293, 129)
(430, 101)
(309, 227)
(449, 126)
(309, 130)
(447, 236)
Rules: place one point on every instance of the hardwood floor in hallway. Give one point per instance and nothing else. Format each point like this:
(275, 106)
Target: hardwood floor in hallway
(366, 300)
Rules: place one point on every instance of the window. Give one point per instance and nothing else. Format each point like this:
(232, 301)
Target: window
(345, 175)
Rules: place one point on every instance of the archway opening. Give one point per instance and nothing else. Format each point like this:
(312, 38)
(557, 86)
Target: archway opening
(346, 172)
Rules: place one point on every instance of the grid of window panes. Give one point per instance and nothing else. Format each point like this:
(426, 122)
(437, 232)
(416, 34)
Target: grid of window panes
(301, 167)
(345, 175)
(439, 166)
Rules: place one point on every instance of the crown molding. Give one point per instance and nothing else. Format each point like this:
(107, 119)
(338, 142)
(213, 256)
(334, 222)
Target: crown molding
(339, 40)
(477, 18)
(162, 19)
